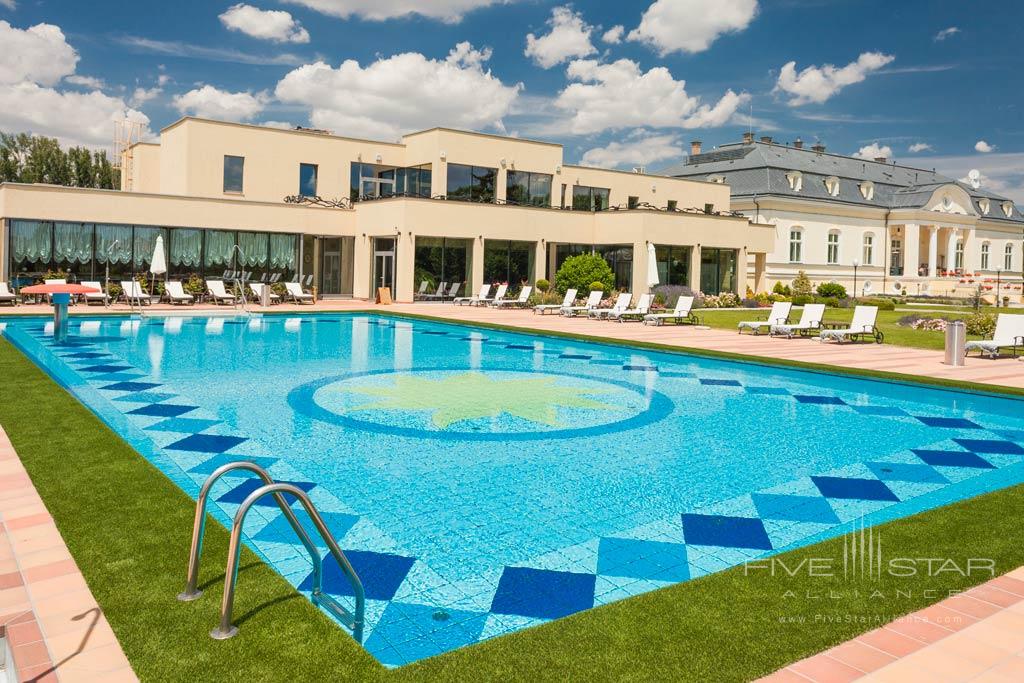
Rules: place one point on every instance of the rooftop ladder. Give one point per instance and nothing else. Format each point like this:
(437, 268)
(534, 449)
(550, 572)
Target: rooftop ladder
(225, 629)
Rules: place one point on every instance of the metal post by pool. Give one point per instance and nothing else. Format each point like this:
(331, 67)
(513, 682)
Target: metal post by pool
(60, 317)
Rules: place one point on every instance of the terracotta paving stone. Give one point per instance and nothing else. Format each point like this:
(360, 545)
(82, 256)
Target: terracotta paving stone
(972, 606)
(918, 629)
(784, 676)
(1009, 584)
(31, 654)
(891, 642)
(826, 670)
(946, 618)
(28, 520)
(24, 633)
(10, 580)
(49, 571)
(860, 656)
(41, 557)
(39, 674)
(994, 595)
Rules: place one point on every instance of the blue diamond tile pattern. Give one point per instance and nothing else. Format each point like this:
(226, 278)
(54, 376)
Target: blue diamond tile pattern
(242, 491)
(543, 593)
(887, 411)
(280, 530)
(820, 400)
(182, 425)
(720, 382)
(948, 422)
(990, 446)
(726, 531)
(407, 632)
(207, 443)
(854, 489)
(380, 573)
(574, 356)
(209, 465)
(776, 391)
(162, 410)
(901, 471)
(952, 459)
(131, 386)
(794, 508)
(107, 368)
(641, 368)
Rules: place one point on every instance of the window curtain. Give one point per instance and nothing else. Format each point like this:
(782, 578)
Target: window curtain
(72, 242)
(219, 244)
(30, 241)
(254, 248)
(282, 252)
(113, 242)
(145, 243)
(186, 247)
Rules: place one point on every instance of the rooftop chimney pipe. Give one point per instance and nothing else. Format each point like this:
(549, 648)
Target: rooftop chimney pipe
(881, 160)
(819, 148)
(798, 143)
(766, 139)
(748, 138)
(694, 147)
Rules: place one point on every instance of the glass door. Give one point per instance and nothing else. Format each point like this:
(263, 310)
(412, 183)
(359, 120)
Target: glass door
(330, 266)
(384, 263)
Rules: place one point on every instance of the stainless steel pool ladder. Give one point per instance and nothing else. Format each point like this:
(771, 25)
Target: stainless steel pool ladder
(353, 620)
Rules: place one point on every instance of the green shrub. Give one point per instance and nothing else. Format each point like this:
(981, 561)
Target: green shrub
(802, 299)
(194, 285)
(582, 271)
(802, 285)
(981, 324)
(883, 303)
(781, 289)
(279, 289)
(832, 290)
(829, 301)
(597, 287)
(542, 285)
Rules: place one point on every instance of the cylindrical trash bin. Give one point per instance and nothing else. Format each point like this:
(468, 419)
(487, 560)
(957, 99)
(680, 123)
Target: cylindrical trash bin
(956, 338)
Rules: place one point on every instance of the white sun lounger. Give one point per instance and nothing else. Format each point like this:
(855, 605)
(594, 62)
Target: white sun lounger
(499, 295)
(257, 291)
(6, 296)
(295, 293)
(593, 301)
(1009, 332)
(98, 296)
(422, 291)
(779, 315)
(55, 281)
(524, 296)
(439, 294)
(470, 300)
(132, 292)
(176, 293)
(862, 325)
(621, 304)
(682, 313)
(570, 297)
(220, 296)
(643, 307)
(810, 321)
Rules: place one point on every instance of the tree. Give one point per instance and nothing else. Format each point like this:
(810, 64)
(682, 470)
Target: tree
(579, 272)
(28, 158)
(802, 284)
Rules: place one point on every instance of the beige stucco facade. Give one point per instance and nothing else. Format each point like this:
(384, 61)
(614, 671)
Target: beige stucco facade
(180, 183)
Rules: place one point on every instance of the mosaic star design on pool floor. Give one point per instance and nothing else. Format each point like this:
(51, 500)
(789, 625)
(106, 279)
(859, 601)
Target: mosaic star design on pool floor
(474, 395)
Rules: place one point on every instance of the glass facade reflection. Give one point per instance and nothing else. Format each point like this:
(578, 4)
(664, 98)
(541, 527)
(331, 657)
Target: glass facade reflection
(442, 259)
(471, 183)
(717, 270)
(586, 198)
(673, 265)
(508, 261)
(526, 188)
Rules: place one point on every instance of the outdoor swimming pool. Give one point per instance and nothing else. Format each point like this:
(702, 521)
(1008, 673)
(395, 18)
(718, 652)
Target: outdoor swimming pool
(484, 481)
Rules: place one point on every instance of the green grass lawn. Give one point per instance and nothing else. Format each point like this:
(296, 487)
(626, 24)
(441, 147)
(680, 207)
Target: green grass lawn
(128, 528)
(726, 318)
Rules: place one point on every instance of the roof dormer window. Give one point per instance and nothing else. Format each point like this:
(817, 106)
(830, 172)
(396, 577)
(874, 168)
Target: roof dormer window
(867, 190)
(716, 178)
(983, 204)
(832, 185)
(796, 180)
(1008, 208)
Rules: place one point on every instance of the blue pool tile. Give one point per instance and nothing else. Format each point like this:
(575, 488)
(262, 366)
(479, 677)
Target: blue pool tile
(642, 559)
(145, 397)
(380, 573)
(521, 347)
(1009, 434)
(117, 376)
(794, 508)
(574, 356)
(854, 489)
(767, 390)
(106, 368)
(542, 593)
(162, 410)
(183, 425)
(209, 465)
(947, 422)
(672, 373)
(207, 443)
(407, 632)
(641, 368)
(820, 400)
(720, 382)
(879, 410)
(990, 446)
(131, 386)
(86, 354)
(902, 471)
(953, 459)
(435, 332)
(730, 532)
(280, 531)
(242, 491)
(606, 361)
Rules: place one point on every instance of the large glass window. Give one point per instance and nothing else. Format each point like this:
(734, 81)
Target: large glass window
(984, 255)
(869, 249)
(620, 258)
(219, 253)
(442, 259)
(673, 265)
(114, 250)
(508, 261)
(233, 173)
(524, 187)
(586, 198)
(186, 250)
(717, 271)
(307, 180)
(31, 246)
(958, 262)
(471, 183)
(72, 247)
(145, 246)
(1008, 257)
(896, 257)
(796, 243)
(833, 248)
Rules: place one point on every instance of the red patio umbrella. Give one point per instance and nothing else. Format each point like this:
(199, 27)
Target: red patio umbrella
(58, 289)
(61, 295)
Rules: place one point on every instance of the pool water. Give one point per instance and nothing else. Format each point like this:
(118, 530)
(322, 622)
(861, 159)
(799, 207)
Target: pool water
(484, 481)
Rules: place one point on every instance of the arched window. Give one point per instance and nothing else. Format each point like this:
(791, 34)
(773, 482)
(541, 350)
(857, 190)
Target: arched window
(796, 245)
(1008, 257)
(958, 259)
(1008, 209)
(832, 185)
(868, 255)
(833, 247)
(796, 180)
(985, 247)
(716, 178)
(983, 204)
(867, 190)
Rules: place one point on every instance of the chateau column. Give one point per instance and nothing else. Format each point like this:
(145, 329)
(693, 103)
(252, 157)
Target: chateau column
(911, 249)
(695, 268)
(951, 241)
(970, 255)
(933, 249)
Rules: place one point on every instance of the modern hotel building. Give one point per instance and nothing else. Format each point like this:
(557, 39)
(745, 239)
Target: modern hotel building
(440, 205)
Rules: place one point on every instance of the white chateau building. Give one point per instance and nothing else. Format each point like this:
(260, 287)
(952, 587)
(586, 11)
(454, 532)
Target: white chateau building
(903, 228)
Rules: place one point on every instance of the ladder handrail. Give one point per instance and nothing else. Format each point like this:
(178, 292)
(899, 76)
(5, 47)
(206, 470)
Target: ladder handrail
(191, 591)
(354, 620)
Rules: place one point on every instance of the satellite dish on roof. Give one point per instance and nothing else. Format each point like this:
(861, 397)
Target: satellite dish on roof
(974, 175)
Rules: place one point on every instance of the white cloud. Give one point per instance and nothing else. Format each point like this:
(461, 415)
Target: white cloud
(569, 37)
(177, 48)
(85, 81)
(983, 147)
(212, 103)
(613, 36)
(691, 25)
(73, 117)
(640, 150)
(947, 33)
(448, 11)
(920, 147)
(873, 151)
(619, 95)
(819, 83)
(38, 54)
(275, 25)
(361, 101)
(142, 95)
(162, 80)
(283, 125)
(1001, 172)
(9, 4)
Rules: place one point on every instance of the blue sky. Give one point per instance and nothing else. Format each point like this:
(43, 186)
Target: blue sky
(934, 83)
